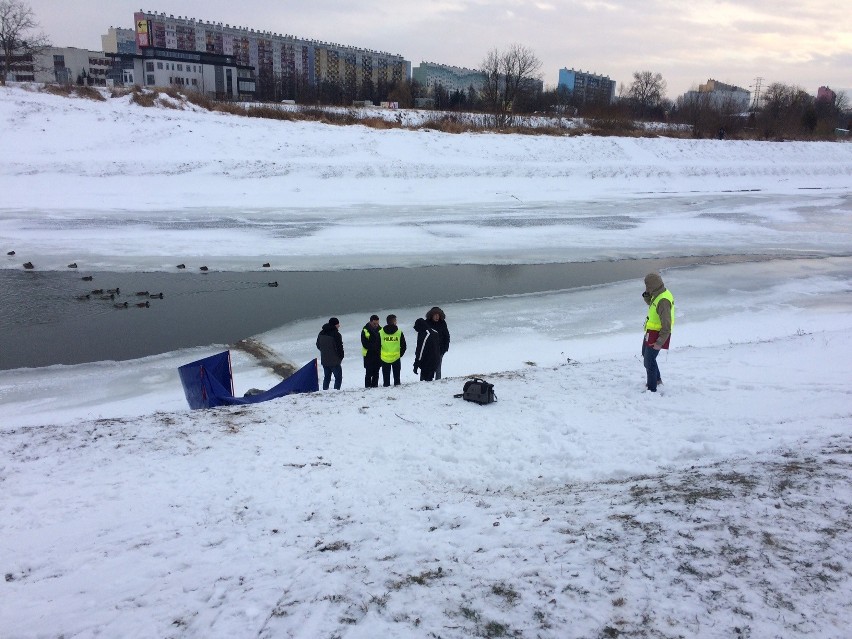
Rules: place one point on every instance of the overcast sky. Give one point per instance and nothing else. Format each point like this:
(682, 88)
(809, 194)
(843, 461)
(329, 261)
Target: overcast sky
(806, 42)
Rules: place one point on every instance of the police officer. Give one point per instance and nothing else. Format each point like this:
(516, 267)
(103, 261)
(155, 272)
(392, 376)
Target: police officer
(393, 348)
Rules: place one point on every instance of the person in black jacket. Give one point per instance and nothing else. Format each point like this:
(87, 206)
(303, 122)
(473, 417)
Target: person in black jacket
(428, 352)
(437, 320)
(330, 345)
(371, 349)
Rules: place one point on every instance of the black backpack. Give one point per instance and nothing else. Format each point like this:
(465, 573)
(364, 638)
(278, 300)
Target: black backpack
(478, 391)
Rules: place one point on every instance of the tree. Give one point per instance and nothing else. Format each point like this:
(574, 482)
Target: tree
(647, 91)
(401, 93)
(509, 75)
(787, 111)
(17, 40)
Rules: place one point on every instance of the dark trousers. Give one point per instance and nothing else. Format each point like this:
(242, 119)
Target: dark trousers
(427, 374)
(386, 372)
(371, 372)
(328, 371)
(649, 355)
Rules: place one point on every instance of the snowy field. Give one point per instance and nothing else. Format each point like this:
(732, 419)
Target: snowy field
(576, 506)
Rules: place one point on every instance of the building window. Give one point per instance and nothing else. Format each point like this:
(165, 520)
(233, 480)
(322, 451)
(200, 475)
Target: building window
(149, 79)
(149, 66)
(160, 65)
(180, 67)
(194, 82)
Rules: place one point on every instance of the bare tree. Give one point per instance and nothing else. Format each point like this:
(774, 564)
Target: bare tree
(647, 91)
(509, 75)
(17, 38)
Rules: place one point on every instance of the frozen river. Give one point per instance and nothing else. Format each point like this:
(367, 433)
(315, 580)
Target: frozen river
(357, 260)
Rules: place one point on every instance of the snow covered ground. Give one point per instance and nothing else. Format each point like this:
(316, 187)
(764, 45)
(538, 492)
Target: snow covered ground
(577, 506)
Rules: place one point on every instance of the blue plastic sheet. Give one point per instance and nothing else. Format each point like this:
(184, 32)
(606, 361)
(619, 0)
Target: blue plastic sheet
(209, 382)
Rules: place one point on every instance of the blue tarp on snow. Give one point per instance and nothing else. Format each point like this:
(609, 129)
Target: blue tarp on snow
(208, 382)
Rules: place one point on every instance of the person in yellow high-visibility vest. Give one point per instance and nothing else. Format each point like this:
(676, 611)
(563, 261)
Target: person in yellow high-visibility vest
(393, 348)
(658, 326)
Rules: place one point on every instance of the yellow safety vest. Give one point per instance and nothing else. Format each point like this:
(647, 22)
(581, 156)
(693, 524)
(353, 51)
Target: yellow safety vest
(652, 322)
(364, 350)
(390, 346)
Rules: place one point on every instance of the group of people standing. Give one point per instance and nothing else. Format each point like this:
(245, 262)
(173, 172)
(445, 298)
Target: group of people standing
(382, 348)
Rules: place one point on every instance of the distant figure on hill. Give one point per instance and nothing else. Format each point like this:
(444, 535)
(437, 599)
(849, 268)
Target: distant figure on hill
(658, 326)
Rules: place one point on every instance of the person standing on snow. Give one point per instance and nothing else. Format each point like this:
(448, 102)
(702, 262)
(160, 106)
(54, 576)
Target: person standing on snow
(428, 353)
(437, 320)
(658, 326)
(371, 349)
(393, 348)
(330, 345)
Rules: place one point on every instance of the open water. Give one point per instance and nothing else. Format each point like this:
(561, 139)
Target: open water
(42, 321)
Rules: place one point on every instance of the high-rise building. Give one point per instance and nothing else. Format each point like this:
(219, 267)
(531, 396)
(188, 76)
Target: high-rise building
(824, 94)
(587, 87)
(723, 97)
(280, 64)
(117, 40)
(431, 74)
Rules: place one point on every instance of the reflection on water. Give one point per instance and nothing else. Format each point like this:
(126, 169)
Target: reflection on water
(46, 318)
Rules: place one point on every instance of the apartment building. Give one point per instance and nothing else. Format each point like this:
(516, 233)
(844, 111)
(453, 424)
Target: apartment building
(277, 60)
(726, 95)
(587, 87)
(431, 74)
(118, 40)
(62, 65)
(727, 98)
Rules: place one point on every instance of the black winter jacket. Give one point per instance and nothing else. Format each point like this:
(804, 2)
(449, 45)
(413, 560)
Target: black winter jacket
(372, 342)
(440, 326)
(330, 345)
(428, 346)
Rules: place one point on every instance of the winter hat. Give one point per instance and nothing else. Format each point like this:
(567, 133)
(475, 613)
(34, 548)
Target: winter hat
(653, 281)
(334, 321)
